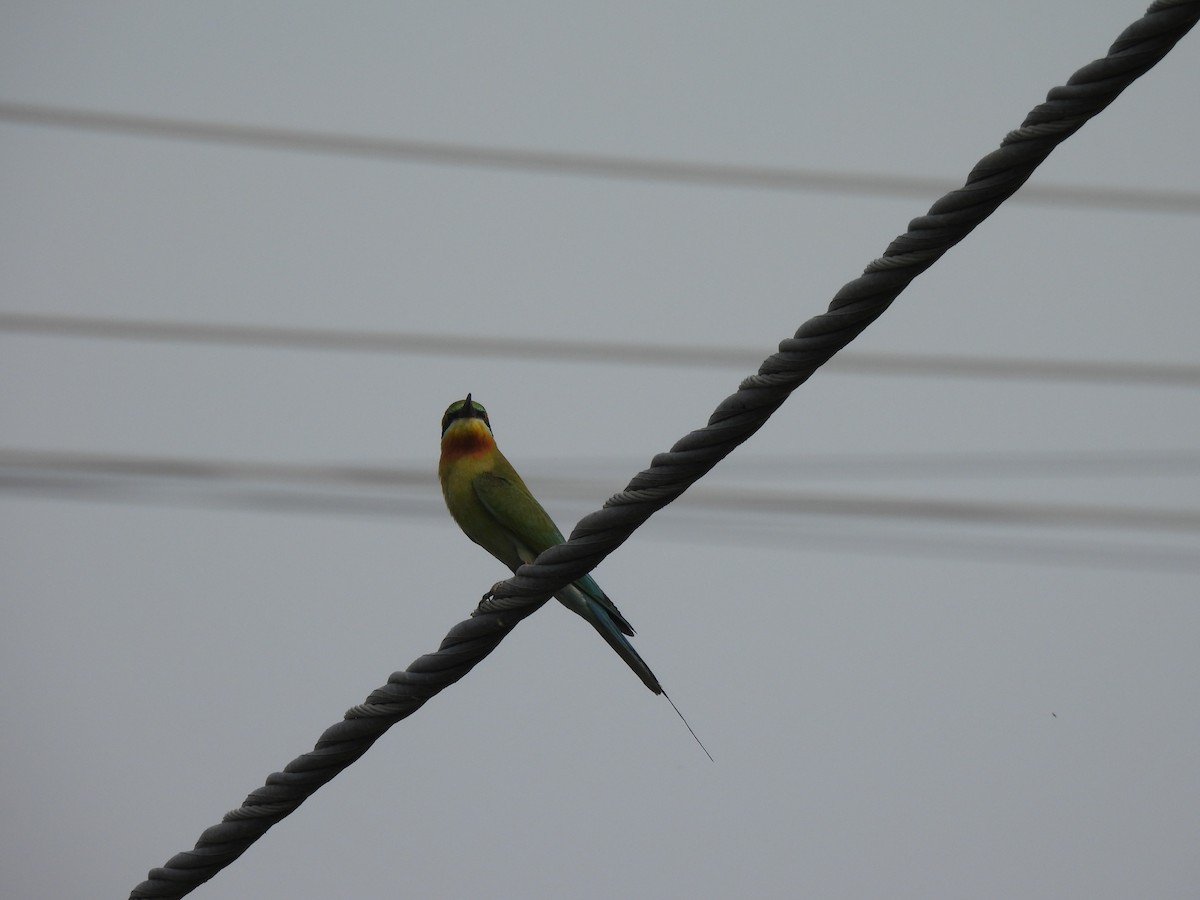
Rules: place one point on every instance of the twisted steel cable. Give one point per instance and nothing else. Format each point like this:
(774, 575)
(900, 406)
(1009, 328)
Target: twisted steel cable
(996, 177)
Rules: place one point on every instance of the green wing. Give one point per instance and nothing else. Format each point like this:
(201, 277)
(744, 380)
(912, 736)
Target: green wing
(532, 530)
(516, 510)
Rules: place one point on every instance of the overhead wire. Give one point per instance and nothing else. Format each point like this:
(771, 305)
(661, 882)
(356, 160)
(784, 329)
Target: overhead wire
(588, 165)
(580, 351)
(39, 465)
(940, 465)
(308, 489)
(852, 539)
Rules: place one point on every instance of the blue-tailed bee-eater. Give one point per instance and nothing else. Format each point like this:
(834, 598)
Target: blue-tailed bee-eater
(496, 510)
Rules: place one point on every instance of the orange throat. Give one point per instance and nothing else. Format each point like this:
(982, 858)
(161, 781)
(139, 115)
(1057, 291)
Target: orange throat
(467, 437)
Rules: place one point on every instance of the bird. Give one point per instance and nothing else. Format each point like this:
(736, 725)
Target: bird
(495, 508)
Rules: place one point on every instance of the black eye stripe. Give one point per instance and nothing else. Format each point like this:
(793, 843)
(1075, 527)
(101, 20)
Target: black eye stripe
(459, 410)
(451, 415)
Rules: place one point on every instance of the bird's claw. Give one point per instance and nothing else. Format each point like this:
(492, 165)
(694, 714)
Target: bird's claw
(490, 595)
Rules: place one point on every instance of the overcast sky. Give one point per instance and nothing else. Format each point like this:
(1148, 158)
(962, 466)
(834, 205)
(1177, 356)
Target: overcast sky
(957, 658)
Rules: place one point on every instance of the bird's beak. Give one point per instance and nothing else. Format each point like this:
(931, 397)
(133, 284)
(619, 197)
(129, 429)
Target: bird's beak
(470, 410)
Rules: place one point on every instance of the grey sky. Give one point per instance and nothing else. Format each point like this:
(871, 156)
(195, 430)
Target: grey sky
(899, 705)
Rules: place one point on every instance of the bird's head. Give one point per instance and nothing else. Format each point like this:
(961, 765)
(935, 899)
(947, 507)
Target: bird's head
(466, 431)
(464, 410)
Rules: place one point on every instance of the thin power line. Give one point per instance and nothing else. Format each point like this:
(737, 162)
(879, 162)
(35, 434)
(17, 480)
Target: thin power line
(935, 465)
(1040, 550)
(835, 524)
(590, 165)
(942, 466)
(615, 352)
(86, 473)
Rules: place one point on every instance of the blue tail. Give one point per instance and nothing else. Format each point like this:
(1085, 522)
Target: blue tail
(585, 598)
(607, 619)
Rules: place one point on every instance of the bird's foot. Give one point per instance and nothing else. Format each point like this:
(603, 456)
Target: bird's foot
(491, 594)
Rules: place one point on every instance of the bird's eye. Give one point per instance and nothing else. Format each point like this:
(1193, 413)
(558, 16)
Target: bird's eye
(452, 413)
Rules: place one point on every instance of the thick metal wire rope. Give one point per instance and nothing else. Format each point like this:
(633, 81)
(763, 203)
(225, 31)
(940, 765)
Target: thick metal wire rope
(739, 416)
